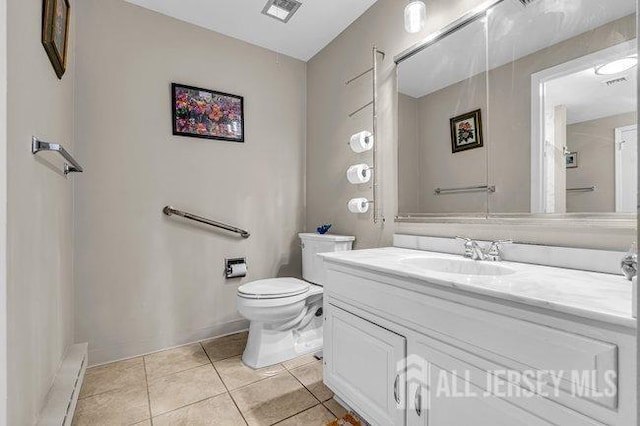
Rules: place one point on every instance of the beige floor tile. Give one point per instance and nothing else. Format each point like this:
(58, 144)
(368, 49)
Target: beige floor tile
(118, 375)
(177, 390)
(316, 416)
(235, 374)
(336, 408)
(175, 360)
(114, 408)
(310, 375)
(218, 411)
(226, 347)
(272, 400)
(298, 362)
(143, 423)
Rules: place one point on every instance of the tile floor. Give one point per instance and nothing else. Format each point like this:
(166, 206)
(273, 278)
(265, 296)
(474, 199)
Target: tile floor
(205, 384)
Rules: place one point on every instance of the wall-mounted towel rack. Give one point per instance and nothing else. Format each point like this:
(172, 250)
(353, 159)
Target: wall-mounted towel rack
(38, 145)
(377, 210)
(585, 189)
(168, 210)
(478, 188)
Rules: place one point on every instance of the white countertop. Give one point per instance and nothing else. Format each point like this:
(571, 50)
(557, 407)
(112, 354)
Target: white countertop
(591, 295)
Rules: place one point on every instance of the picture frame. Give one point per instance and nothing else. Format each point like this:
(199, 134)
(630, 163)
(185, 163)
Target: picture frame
(55, 33)
(571, 160)
(466, 131)
(207, 114)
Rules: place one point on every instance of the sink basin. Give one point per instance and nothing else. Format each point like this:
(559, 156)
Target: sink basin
(459, 266)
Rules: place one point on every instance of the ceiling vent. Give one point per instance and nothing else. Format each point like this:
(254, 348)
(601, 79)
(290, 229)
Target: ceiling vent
(616, 81)
(282, 10)
(527, 2)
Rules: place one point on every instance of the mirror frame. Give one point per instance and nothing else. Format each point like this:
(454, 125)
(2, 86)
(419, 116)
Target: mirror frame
(600, 221)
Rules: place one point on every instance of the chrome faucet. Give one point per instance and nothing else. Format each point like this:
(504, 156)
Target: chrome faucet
(473, 250)
(629, 263)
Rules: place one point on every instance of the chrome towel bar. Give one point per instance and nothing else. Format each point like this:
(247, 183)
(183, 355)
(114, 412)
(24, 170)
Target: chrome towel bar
(478, 188)
(38, 145)
(168, 210)
(585, 189)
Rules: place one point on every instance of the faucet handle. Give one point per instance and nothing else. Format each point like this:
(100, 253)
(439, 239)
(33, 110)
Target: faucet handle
(468, 246)
(494, 249)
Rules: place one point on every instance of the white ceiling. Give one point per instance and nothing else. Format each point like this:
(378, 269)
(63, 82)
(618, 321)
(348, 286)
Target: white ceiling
(510, 32)
(587, 96)
(314, 25)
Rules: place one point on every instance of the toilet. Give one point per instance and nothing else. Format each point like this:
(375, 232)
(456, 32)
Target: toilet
(285, 314)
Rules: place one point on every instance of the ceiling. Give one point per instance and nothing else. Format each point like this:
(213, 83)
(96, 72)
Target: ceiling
(314, 26)
(588, 97)
(510, 32)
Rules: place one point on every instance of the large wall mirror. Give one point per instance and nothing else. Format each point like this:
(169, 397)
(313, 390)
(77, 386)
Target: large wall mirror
(521, 110)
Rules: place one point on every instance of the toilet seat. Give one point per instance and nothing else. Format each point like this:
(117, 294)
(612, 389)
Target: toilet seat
(273, 288)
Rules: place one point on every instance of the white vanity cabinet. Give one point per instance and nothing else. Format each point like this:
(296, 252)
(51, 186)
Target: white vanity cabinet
(405, 352)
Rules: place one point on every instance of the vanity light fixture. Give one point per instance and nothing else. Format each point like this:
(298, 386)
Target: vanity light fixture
(282, 10)
(415, 16)
(617, 66)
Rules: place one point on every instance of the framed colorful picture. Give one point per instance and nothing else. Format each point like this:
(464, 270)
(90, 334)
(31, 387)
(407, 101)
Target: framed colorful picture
(572, 160)
(466, 131)
(208, 114)
(55, 33)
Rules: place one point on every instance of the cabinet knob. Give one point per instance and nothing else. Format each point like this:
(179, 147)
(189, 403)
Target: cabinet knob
(418, 401)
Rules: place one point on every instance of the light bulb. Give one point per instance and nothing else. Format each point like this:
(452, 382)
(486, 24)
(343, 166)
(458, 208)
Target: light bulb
(415, 16)
(617, 66)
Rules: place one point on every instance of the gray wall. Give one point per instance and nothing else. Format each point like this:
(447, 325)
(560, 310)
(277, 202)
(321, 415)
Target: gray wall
(39, 216)
(594, 141)
(144, 281)
(440, 167)
(409, 148)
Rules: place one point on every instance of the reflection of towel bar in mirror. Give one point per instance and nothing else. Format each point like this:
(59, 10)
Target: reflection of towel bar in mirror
(478, 188)
(38, 145)
(585, 189)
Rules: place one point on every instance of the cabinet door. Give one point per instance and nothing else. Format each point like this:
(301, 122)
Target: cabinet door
(445, 391)
(364, 365)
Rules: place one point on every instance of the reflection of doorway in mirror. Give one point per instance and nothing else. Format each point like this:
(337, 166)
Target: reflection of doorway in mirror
(577, 110)
(626, 143)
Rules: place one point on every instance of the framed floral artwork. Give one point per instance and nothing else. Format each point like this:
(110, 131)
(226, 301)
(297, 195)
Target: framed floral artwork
(466, 131)
(55, 33)
(208, 114)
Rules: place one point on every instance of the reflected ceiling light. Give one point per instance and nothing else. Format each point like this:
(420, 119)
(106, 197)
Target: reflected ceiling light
(415, 16)
(617, 66)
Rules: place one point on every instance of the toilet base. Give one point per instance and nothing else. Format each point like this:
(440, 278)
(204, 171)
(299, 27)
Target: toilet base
(268, 346)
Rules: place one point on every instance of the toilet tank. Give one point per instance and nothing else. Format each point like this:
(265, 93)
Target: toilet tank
(314, 244)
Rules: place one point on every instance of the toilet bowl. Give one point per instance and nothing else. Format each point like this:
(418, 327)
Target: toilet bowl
(285, 314)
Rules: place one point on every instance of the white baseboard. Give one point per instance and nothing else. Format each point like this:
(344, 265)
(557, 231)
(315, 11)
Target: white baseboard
(128, 350)
(60, 404)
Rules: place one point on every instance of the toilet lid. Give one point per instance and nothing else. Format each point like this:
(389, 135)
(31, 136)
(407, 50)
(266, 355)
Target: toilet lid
(273, 288)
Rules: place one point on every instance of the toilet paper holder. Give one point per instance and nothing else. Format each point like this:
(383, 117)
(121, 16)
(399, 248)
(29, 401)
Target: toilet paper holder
(233, 267)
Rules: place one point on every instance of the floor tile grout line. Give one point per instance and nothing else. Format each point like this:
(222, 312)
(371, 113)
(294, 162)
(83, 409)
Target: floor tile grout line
(190, 404)
(310, 408)
(284, 370)
(177, 372)
(298, 366)
(146, 381)
(304, 386)
(225, 386)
